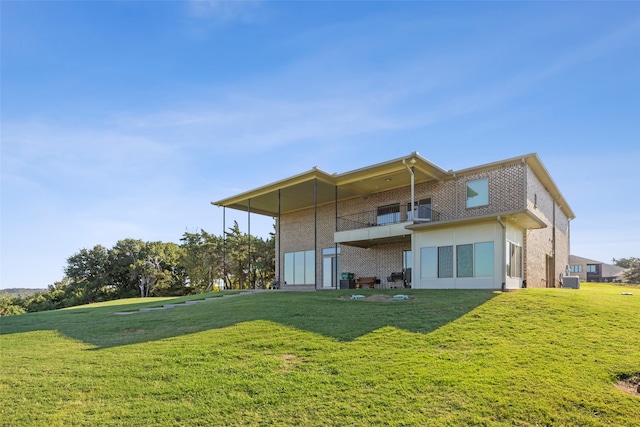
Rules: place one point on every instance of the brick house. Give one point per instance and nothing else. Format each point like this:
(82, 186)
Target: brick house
(462, 226)
(590, 270)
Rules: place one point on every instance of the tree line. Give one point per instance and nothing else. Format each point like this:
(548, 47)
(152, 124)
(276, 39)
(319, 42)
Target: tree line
(134, 268)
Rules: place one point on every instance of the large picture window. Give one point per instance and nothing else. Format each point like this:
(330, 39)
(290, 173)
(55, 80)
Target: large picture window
(478, 193)
(472, 260)
(300, 268)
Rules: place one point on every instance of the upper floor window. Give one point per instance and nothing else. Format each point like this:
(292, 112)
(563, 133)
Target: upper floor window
(478, 193)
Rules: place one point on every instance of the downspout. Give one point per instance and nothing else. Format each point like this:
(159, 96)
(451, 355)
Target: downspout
(525, 191)
(553, 244)
(280, 275)
(504, 252)
(249, 242)
(413, 191)
(315, 232)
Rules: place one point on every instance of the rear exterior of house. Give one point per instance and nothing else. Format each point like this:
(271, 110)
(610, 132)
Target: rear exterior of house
(503, 225)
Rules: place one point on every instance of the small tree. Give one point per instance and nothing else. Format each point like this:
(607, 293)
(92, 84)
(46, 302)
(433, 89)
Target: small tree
(632, 275)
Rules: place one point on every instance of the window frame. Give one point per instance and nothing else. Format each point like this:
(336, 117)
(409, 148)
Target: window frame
(300, 267)
(482, 192)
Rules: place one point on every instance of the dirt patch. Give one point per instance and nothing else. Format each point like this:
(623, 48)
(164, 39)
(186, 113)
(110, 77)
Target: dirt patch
(629, 384)
(377, 297)
(290, 361)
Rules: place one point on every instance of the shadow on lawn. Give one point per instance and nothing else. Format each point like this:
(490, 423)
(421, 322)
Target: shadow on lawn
(323, 313)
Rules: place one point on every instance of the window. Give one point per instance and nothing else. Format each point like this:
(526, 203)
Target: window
(514, 257)
(592, 268)
(472, 260)
(445, 261)
(575, 268)
(299, 268)
(484, 259)
(428, 263)
(406, 259)
(478, 193)
(389, 214)
(464, 261)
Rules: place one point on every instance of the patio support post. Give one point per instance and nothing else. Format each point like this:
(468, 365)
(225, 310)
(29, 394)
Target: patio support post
(224, 247)
(279, 274)
(413, 195)
(315, 231)
(249, 235)
(336, 244)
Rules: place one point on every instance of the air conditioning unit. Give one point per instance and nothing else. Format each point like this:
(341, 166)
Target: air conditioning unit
(571, 282)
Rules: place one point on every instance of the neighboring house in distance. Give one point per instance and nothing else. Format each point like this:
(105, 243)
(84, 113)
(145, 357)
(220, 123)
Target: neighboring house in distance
(406, 221)
(589, 270)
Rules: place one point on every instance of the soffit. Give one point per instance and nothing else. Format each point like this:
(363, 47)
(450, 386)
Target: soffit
(524, 219)
(297, 192)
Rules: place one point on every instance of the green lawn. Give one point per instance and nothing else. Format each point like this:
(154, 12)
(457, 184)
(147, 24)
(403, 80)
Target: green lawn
(526, 358)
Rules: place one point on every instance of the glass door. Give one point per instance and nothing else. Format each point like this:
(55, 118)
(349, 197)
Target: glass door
(330, 268)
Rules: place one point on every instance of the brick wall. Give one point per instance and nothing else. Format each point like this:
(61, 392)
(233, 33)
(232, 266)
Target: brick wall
(506, 193)
(539, 242)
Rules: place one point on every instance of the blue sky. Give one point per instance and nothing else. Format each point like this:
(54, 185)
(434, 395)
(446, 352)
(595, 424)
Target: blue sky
(126, 119)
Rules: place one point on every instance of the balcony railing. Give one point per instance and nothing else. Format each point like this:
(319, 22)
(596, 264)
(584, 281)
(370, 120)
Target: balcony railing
(385, 216)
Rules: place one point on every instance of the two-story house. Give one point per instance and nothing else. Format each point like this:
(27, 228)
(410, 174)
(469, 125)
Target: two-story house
(503, 225)
(590, 270)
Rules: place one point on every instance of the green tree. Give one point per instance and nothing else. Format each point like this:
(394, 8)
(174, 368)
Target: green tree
(156, 266)
(202, 258)
(632, 275)
(623, 262)
(263, 261)
(122, 256)
(87, 271)
(10, 305)
(236, 266)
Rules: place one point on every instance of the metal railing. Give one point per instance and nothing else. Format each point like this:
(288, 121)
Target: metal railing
(385, 216)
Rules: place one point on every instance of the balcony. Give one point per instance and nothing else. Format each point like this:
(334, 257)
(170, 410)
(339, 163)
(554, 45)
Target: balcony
(386, 215)
(383, 225)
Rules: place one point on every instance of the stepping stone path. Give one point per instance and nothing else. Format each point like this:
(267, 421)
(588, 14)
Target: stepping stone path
(183, 304)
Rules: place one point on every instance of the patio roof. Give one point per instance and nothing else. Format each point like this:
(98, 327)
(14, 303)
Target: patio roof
(297, 192)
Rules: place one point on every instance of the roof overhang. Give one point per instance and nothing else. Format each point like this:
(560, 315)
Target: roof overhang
(524, 219)
(536, 165)
(316, 187)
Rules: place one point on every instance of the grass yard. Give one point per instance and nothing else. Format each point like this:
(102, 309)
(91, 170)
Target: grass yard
(458, 358)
